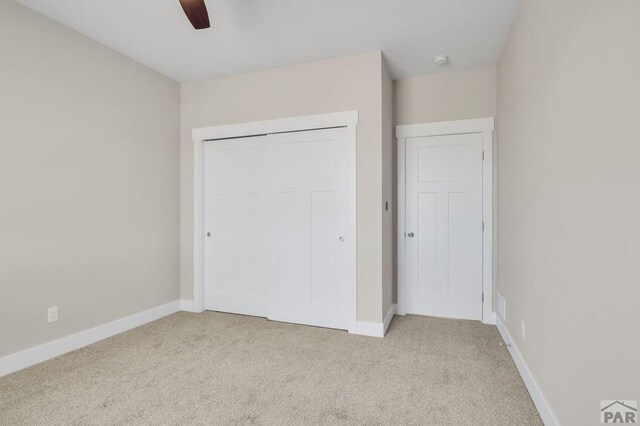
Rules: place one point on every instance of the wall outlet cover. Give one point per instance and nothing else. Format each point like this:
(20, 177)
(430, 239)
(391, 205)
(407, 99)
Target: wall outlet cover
(52, 314)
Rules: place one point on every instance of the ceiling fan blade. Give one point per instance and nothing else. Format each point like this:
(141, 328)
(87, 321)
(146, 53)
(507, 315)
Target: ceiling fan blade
(197, 13)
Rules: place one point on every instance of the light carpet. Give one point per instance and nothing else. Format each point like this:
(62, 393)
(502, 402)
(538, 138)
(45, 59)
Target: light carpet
(219, 369)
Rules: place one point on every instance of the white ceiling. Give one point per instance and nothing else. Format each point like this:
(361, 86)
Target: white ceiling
(250, 35)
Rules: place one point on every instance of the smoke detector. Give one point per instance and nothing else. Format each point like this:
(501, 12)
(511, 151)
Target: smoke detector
(441, 60)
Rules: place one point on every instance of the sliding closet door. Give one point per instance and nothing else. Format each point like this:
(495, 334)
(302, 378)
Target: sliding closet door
(238, 225)
(276, 224)
(310, 188)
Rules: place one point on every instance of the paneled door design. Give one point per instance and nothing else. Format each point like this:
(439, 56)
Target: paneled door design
(310, 180)
(237, 225)
(443, 221)
(276, 220)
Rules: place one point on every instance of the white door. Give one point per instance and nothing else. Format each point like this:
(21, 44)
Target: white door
(444, 226)
(276, 209)
(311, 183)
(237, 225)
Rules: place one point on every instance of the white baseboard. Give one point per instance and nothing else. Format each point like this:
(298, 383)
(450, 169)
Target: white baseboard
(536, 394)
(374, 329)
(388, 318)
(189, 306)
(491, 320)
(38, 354)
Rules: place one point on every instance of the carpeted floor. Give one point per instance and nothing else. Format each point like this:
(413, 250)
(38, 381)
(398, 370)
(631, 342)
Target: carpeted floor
(219, 369)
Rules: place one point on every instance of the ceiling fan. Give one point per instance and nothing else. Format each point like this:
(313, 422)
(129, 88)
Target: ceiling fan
(197, 13)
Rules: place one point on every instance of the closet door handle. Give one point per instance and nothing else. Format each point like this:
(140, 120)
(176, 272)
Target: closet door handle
(411, 235)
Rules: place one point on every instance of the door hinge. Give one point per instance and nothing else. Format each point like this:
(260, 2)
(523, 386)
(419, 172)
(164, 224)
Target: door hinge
(482, 297)
(482, 226)
(482, 155)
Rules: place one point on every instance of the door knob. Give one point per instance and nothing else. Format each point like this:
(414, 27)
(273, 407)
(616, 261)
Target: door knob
(411, 235)
(341, 239)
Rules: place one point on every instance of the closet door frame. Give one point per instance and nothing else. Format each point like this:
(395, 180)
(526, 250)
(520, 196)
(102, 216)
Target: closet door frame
(347, 119)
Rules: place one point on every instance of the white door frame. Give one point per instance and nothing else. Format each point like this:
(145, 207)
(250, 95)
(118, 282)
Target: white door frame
(347, 119)
(485, 127)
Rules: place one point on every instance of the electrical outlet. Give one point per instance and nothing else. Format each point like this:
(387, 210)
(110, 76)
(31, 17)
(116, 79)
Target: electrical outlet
(524, 335)
(52, 314)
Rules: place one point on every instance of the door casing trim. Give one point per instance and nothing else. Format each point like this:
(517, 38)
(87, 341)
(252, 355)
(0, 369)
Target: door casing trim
(485, 127)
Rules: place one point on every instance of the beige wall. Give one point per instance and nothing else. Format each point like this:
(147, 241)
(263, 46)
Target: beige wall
(445, 97)
(340, 84)
(388, 192)
(89, 174)
(569, 185)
